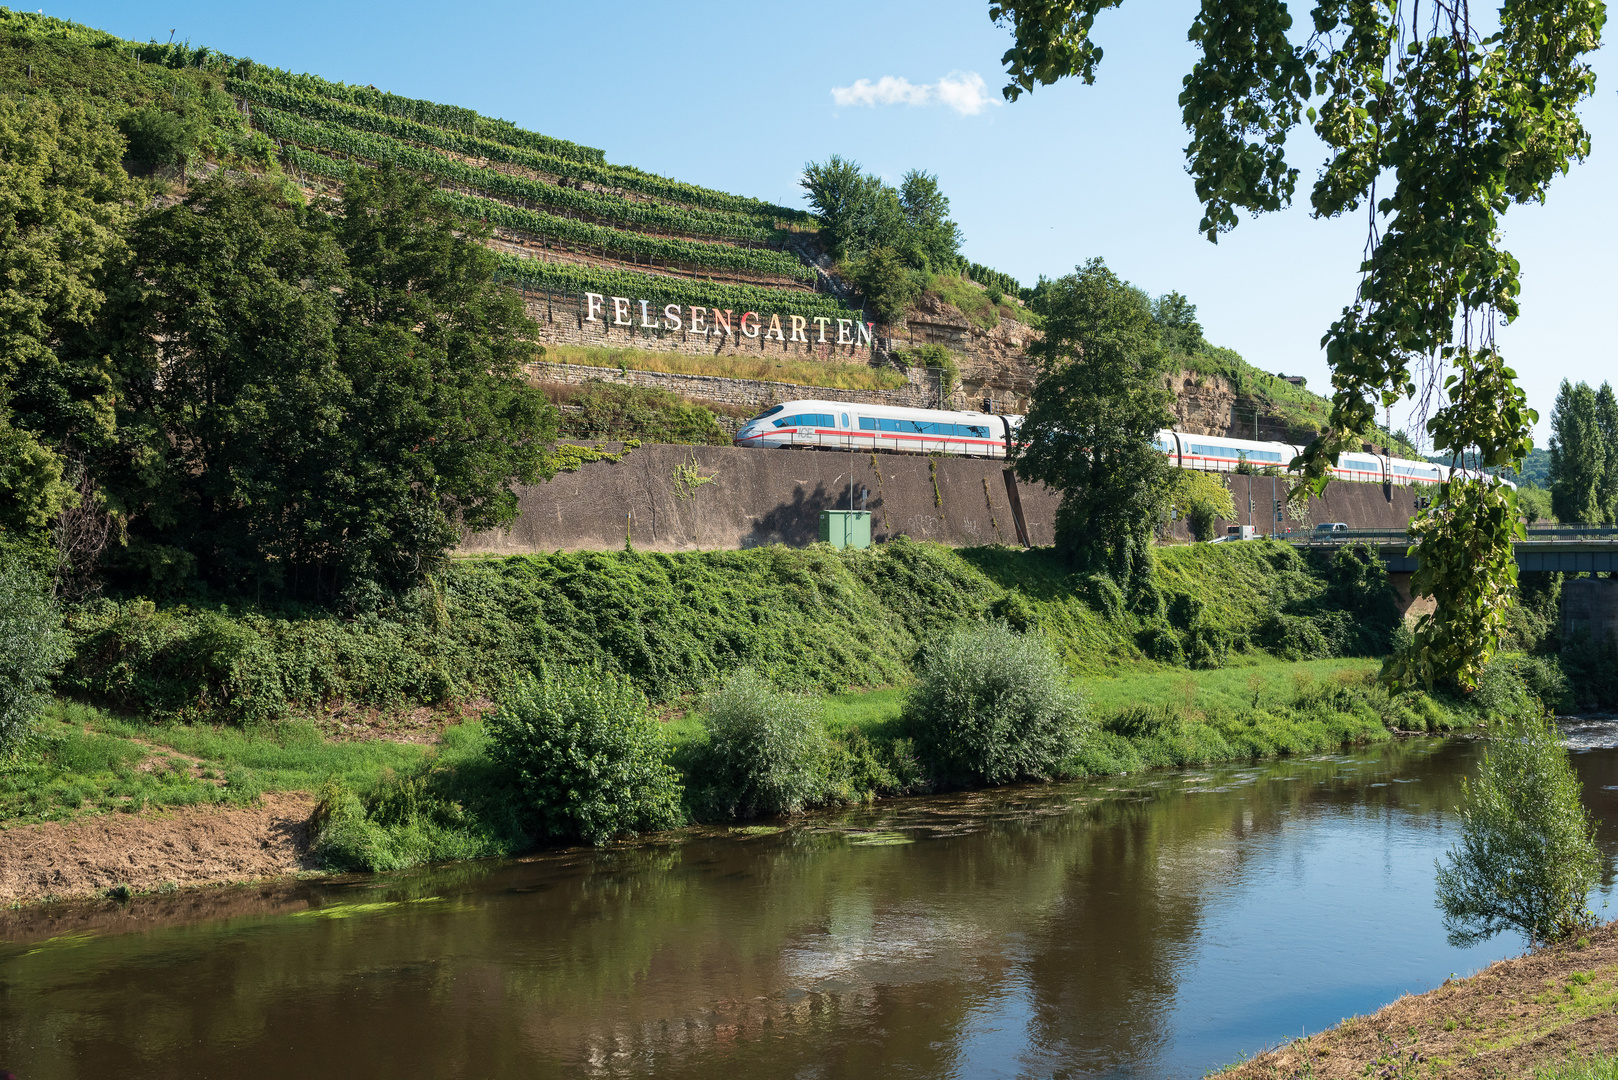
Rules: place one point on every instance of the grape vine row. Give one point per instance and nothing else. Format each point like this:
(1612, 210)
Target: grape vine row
(431, 113)
(618, 243)
(618, 177)
(610, 208)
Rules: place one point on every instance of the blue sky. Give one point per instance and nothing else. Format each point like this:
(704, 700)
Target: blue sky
(739, 96)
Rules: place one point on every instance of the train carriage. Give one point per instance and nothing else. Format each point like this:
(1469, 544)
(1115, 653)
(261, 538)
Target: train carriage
(843, 425)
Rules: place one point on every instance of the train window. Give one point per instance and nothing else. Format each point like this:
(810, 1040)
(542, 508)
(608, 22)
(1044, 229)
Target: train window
(845, 419)
(922, 427)
(807, 420)
(1165, 446)
(771, 411)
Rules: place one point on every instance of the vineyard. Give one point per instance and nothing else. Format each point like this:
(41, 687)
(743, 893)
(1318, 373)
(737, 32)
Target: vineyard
(566, 221)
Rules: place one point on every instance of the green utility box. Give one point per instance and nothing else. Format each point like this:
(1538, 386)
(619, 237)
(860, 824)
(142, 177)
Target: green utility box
(846, 528)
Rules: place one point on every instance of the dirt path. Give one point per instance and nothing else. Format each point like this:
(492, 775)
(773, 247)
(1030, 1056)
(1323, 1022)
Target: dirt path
(181, 845)
(1508, 1020)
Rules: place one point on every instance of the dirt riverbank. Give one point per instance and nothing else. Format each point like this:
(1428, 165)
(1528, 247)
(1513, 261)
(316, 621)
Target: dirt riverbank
(178, 846)
(1509, 1020)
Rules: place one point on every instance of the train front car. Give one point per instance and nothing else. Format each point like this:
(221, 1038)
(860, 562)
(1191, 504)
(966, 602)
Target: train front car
(837, 425)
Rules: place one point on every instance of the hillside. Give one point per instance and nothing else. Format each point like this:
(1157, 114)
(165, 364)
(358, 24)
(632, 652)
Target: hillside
(694, 262)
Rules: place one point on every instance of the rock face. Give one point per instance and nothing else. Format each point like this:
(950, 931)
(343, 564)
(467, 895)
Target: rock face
(1202, 403)
(994, 363)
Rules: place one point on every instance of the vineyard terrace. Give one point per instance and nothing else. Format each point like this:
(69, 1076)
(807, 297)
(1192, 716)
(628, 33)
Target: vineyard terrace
(673, 317)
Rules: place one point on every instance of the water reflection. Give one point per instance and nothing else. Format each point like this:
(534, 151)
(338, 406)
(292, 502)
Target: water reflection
(1156, 926)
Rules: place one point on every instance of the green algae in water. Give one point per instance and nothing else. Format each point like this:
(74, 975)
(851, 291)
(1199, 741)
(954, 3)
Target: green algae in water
(879, 839)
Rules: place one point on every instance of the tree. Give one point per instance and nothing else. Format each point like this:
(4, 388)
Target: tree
(1096, 407)
(858, 212)
(319, 404)
(63, 208)
(233, 397)
(1490, 118)
(883, 278)
(1176, 319)
(441, 422)
(1607, 422)
(935, 239)
(1527, 858)
(1578, 456)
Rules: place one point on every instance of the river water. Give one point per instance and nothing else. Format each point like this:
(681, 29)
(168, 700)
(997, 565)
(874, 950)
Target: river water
(1158, 926)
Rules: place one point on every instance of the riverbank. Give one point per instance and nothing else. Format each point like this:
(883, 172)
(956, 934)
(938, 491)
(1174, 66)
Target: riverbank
(122, 854)
(1552, 1013)
(114, 802)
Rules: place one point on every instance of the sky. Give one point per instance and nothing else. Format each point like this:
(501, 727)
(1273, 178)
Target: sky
(739, 96)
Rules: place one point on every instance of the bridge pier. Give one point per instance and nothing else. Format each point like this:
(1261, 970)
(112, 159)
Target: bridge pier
(1409, 605)
(1591, 605)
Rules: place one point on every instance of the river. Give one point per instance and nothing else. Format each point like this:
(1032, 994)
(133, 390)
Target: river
(1152, 926)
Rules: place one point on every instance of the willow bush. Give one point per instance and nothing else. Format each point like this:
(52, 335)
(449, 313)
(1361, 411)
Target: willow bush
(993, 706)
(1527, 858)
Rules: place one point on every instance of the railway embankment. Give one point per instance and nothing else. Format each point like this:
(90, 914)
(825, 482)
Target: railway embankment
(685, 498)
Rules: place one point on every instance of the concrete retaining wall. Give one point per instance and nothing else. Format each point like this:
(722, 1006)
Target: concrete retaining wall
(658, 498)
(1360, 506)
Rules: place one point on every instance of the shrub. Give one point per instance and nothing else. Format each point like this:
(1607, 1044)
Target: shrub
(993, 706)
(32, 650)
(1161, 644)
(1103, 594)
(767, 751)
(1527, 858)
(1501, 692)
(589, 758)
(1293, 637)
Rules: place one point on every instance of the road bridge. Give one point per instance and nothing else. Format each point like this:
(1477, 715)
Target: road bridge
(1572, 549)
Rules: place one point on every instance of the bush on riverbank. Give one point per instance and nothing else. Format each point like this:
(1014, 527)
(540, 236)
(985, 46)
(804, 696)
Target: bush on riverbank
(766, 750)
(32, 649)
(993, 706)
(590, 761)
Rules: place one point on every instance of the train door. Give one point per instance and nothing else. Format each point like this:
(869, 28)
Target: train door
(847, 432)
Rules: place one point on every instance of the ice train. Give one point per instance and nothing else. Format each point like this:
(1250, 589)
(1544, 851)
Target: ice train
(844, 425)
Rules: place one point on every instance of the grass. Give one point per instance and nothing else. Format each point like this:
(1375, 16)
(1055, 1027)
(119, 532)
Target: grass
(835, 374)
(88, 761)
(973, 302)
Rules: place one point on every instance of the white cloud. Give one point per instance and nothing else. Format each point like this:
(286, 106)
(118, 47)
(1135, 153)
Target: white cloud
(963, 91)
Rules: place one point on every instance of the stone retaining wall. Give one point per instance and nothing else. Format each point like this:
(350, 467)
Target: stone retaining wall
(920, 393)
(677, 498)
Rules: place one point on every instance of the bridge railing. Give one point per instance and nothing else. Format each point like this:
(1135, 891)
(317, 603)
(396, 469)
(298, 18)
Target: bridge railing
(1537, 534)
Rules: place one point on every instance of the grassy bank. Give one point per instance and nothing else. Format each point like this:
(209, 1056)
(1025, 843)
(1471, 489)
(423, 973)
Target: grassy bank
(1241, 651)
(1548, 1015)
(404, 804)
